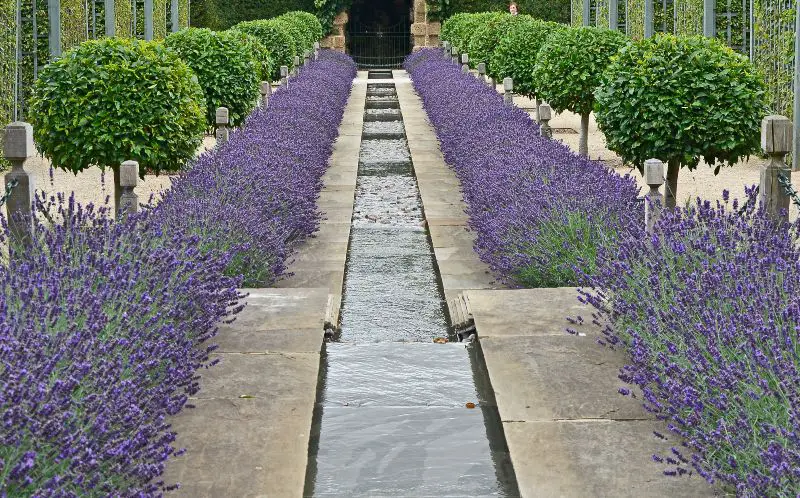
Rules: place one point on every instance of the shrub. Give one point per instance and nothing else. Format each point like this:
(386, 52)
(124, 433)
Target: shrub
(539, 211)
(546, 10)
(260, 53)
(681, 100)
(223, 14)
(225, 67)
(569, 68)
(276, 38)
(516, 53)
(111, 100)
(464, 27)
(297, 35)
(311, 24)
(487, 36)
(708, 308)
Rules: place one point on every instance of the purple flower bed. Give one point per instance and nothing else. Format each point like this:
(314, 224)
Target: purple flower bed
(538, 209)
(103, 325)
(709, 310)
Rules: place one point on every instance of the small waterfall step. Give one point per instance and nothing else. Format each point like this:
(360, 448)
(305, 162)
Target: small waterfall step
(380, 74)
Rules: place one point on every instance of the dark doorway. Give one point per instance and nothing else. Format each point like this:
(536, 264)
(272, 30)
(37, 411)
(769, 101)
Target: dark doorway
(379, 33)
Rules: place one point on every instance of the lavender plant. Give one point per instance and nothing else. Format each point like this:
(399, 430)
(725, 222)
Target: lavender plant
(104, 324)
(708, 309)
(521, 189)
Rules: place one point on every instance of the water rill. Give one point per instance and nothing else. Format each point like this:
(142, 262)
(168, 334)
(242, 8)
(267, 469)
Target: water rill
(404, 409)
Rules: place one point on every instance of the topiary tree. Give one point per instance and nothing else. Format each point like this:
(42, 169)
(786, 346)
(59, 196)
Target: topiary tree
(310, 22)
(224, 65)
(487, 36)
(681, 100)
(515, 55)
(451, 27)
(303, 32)
(276, 38)
(296, 34)
(569, 67)
(465, 26)
(115, 99)
(260, 53)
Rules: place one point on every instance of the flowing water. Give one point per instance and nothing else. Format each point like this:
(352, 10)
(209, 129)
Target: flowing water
(392, 416)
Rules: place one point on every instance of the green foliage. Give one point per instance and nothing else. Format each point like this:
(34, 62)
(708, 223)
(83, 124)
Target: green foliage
(225, 67)
(223, 14)
(548, 10)
(115, 99)
(7, 70)
(311, 23)
(487, 36)
(302, 37)
(681, 99)
(260, 53)
(515, 55)
(460, 28)
(276, 38)
(570, 64)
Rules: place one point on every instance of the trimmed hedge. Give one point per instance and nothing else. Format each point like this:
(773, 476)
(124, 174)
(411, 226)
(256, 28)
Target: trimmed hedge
(225, 67)
(487, 37)
(223, 14)
(547, 10)
(273, 35)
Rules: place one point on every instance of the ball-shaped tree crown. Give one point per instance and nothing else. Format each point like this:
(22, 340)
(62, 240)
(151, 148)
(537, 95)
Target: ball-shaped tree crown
(311, 23)
(276, 38)
(111, 100)
(260, 53)
(487, 36)
(681, 99)
(224, 65)
(570, 64)
(515, 55)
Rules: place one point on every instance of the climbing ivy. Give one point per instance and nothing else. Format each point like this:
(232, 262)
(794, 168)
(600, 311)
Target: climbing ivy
(7, 58)
(160, 19)
(774, 51)
(327, 10)
(123, 17)
(183, 13)
(73, 23)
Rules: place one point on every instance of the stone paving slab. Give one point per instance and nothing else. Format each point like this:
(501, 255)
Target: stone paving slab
(568, 430)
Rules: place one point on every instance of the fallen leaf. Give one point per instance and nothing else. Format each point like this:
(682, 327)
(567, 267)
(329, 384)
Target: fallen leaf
(246, 396)
(440, 340)
(470, 405)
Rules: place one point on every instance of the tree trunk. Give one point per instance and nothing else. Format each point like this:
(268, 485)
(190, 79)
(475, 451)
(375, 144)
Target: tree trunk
(671, 194)
(583, 139)
(538, 103)
(117, 189)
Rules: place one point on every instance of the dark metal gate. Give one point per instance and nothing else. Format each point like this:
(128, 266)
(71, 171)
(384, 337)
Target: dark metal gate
(380, 47)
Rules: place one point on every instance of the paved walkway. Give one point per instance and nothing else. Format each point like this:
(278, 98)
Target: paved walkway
(249, 433)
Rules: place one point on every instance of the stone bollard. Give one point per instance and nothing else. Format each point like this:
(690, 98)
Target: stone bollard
(296, 68)
(306, 58)
(128, 178)
(508, 90)
(776, 140)
(316, 51)
(545, 115)
(482, 71)
(222, 125)
(653, 200)
(465, 63)
(446, 48)
(454, 55)
(266, 92)
(285, 76)
(18, 147)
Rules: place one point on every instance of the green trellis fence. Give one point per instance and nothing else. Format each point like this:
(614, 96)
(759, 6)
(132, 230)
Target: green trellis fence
(766, 31)
(33, 32)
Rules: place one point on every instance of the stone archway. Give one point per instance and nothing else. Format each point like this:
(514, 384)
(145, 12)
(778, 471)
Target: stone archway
(425, 32)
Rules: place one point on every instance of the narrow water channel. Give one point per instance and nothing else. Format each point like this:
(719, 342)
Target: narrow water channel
(392, 416)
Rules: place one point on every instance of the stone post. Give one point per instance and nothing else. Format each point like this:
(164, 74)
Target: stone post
(266, 92)
(129, 177)
(306, 58)
(285, 76)
(222, 125)
(454, 55)
(296, 68)
(316, 51)
(446, 48)
(653, 200)
(776, 140)
(508, 89)
(17, 148)
(545, 114)
(482, 71)
(465, 63)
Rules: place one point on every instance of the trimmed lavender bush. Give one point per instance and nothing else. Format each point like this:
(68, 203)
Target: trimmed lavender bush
(255, 196)
(104, 324)
(538, 209)
(708, 309)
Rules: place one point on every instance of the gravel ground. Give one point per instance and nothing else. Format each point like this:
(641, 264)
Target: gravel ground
(91, 186)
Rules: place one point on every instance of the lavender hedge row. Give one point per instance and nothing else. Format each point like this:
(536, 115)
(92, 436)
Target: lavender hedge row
(708, 307)
(104, 325)
(537, 208)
